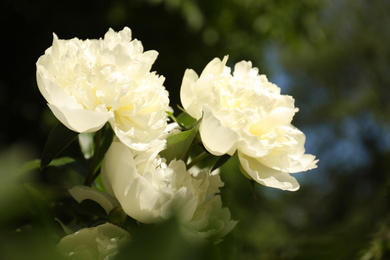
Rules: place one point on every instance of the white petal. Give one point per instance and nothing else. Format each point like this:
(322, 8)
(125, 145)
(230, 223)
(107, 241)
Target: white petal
(216, 66)
(80, 120)
(267, 176)
(288, 153)
(80, 193)
(217, 138)
(186, 92)
(50, 90)
(252, 145)
(136, 195)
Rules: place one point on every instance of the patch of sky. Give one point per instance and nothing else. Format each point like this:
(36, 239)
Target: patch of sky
(342, 145)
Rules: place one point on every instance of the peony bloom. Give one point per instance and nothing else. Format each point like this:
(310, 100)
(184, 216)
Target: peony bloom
(151, 191)
(88, 83)
(96, 243)
(246, 113)
(148, 189)
(210, 222)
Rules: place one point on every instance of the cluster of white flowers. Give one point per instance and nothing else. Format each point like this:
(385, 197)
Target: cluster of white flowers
(92, 82)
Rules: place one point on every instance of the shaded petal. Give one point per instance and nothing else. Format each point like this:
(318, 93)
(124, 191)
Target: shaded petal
(187, 96)
(217, 138)
(267, 176)
(51, 91)
(291, 163)
(134, 192)
(80, 193)
(252, 145)
(288, 155)
(81, 120)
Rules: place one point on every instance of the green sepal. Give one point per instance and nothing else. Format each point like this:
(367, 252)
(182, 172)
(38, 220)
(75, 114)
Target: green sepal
(117, 216)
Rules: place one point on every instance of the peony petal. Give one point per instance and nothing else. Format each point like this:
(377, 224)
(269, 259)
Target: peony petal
(136, 195)
(216, 66)
(51, 91)
(267, 176)
(186, 92)
(217, 138)
(80, 193)
(251, 145)
(80, 120)
(288, 155)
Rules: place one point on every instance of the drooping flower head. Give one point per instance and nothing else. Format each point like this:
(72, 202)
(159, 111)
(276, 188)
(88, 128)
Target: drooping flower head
(246, 113)
(151, 191)
(148, 189)
(90, 82)
(211, 221)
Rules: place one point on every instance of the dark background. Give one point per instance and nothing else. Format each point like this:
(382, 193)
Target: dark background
(332, 56)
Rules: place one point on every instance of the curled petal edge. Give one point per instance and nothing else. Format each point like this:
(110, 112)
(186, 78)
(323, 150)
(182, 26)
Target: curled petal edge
(267, 176)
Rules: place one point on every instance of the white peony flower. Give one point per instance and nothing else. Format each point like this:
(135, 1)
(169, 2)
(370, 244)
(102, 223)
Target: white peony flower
(88, 83)
(96, 243)
(151, 191)
(246, 113)
(147, 188)
(210, 221)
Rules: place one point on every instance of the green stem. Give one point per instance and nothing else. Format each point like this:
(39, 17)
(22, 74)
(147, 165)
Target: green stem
(197, 159)
(94, 161)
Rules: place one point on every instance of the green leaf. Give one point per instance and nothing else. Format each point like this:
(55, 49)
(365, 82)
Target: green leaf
(61, 163)
(90, 208)
(164, 241)
(98, 183)
(59, 138)
(70, 164)
(30, 166)
(221, 161)
(184, 119)
(179, 144)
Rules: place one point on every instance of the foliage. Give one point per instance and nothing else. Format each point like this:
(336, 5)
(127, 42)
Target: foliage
(333, 56)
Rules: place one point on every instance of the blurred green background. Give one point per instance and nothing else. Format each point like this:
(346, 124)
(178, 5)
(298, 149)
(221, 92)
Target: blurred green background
(332, 56)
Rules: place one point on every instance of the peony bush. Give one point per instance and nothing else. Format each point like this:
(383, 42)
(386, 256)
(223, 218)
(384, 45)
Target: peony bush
(142, 164)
